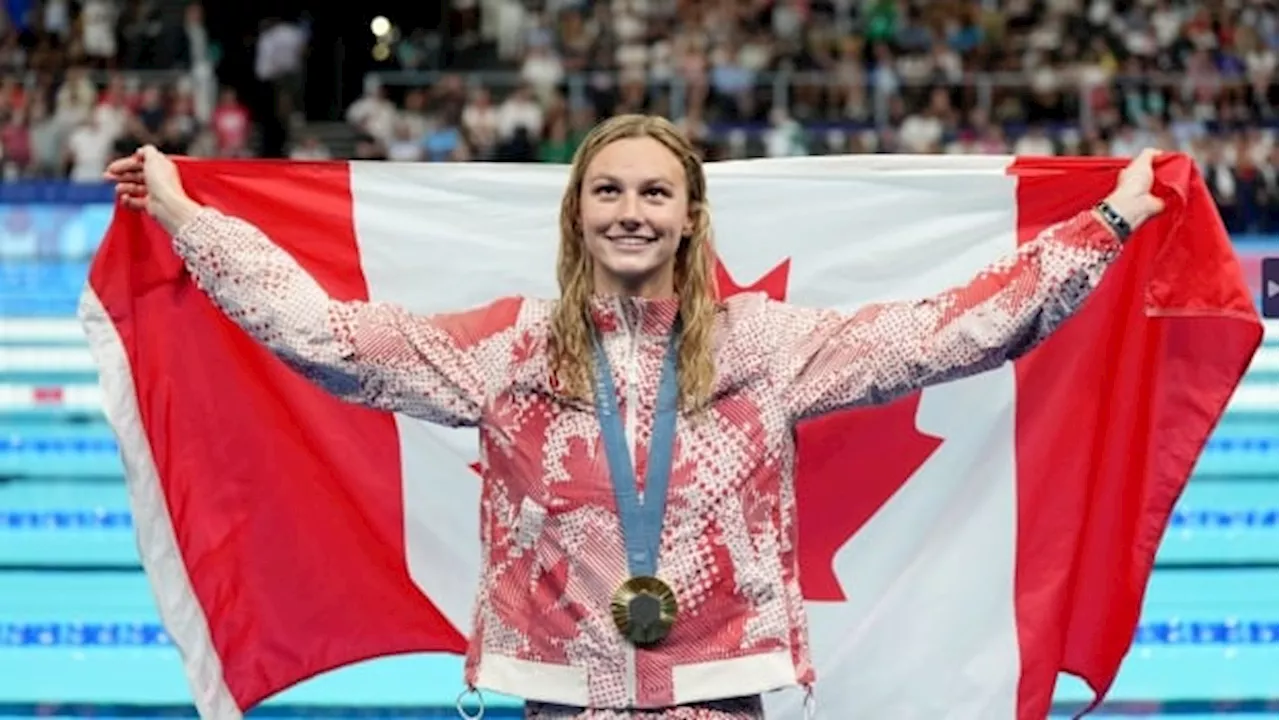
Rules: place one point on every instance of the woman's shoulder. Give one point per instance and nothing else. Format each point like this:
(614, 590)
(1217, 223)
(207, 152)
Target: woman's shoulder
(747, 306)
(757, 317)
(535, 311)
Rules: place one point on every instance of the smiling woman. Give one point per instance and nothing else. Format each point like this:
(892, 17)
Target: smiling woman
(661, 581)
(635, 222)
(635, 215)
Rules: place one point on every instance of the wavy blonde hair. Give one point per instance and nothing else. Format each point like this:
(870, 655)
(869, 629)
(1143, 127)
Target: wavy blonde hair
(571, 340)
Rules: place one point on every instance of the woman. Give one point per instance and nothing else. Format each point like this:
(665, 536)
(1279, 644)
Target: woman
(638, 515)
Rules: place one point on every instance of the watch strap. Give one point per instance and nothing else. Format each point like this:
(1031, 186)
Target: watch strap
(1114, 220)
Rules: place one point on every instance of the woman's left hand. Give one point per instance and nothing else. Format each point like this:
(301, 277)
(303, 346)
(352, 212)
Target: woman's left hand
(1132, 196)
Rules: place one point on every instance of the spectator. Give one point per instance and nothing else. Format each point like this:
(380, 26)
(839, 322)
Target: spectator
(46, 141)
(278, 65)
(404, 145)
(519, 147)
(542, 71)
(558, 146)
(415, 114)
(148, 118)
(520, 113)
(15, 145)
(200, 57)
(373, 115)
(442, 141)
(57, 19)
(75, 99)
(922, 132)
(480, 123)
(89, 149)
(1034, 142)
(230, 122)
(310, 147)
(98, 32)
(113, 111)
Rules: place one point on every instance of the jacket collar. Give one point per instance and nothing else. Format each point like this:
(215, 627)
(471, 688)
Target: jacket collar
(628, 314)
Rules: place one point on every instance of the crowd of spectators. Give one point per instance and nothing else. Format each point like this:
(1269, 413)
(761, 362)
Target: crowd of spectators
(82, 83)
(526, 78)
(793, 77)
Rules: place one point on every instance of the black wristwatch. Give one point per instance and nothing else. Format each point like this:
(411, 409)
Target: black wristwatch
(1117, 223)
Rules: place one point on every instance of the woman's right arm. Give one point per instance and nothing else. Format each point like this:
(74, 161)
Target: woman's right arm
(373, 354)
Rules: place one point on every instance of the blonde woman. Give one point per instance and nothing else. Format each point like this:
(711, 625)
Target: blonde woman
(638, 515)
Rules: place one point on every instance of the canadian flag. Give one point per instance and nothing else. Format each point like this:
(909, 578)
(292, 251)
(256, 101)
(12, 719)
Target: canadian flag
(959, 547)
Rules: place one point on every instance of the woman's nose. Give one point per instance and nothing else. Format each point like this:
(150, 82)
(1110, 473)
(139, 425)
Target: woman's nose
(630, 206)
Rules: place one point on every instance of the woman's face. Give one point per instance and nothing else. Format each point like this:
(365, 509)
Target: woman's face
(635, 213)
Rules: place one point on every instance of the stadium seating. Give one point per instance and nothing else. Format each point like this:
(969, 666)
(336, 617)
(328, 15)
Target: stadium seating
(78, 624)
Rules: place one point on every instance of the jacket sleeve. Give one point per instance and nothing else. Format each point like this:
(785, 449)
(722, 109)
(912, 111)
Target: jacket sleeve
(369, 353)
(829, 360)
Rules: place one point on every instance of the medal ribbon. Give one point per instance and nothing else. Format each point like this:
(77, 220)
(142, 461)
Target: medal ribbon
(641, 521)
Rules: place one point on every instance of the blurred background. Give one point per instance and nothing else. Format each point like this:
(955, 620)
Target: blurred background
(83, 81)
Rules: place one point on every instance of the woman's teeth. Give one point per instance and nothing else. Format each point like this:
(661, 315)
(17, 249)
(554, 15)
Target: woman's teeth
(632, 241)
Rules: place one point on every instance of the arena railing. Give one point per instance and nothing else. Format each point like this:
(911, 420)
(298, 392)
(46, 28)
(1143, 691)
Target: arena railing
(971, 91)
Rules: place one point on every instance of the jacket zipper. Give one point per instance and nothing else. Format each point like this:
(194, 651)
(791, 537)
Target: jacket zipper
(632, 399)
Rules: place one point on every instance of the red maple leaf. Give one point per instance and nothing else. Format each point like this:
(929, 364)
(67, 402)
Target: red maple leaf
(848, 466)
(849, 463)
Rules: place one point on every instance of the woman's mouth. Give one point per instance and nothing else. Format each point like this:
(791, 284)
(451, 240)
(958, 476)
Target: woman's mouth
(632, 240)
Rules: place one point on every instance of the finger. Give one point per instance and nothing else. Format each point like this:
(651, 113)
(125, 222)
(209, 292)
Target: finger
(121, 166)
(118, 175)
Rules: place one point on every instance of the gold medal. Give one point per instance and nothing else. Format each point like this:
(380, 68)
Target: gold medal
(644, 609)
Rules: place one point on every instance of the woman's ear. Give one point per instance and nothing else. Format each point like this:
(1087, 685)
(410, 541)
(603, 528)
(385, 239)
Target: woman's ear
(690, 222)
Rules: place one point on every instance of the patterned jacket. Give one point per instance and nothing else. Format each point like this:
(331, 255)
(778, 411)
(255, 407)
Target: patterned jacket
(551, 539)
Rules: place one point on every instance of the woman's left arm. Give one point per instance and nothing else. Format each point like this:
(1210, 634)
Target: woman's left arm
(832, 360)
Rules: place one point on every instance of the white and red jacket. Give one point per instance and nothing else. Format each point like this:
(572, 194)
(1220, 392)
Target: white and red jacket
(552, 544)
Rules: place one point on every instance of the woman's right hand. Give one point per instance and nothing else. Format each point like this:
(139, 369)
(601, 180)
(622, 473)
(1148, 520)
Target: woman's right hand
(147, 180)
